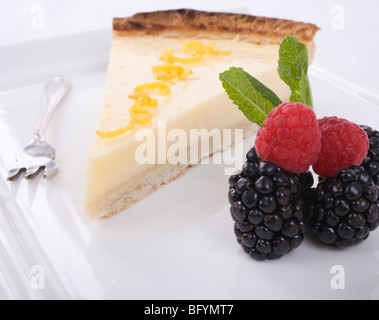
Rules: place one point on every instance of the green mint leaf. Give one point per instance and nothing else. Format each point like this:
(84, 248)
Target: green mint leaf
(293, 69)
(264, 91)
(251, 96)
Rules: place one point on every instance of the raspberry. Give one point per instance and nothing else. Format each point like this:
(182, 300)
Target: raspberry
(371, 161)
(290, 137)
(343, 144)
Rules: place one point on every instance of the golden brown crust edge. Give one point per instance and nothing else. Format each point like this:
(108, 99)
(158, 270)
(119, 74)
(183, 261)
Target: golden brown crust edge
(226, 25)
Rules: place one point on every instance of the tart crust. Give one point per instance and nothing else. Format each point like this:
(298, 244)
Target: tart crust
(183, 23)
(222, 24)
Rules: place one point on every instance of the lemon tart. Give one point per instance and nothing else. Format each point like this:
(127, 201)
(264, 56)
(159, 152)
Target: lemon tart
(163, 89)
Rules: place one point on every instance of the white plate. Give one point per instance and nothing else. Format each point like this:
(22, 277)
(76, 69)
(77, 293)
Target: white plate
(176, 244)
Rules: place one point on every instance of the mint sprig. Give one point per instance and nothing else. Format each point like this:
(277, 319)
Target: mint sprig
(252, 97)
(293, 69)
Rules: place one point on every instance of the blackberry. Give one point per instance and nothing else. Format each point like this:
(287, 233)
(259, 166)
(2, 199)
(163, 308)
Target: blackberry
(371, 162)
(344, 209)
(267, 208)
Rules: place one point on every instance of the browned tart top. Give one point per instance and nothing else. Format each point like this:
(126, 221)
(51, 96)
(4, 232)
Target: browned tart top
(225, 25)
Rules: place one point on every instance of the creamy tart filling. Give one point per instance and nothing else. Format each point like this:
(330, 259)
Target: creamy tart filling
(198, 102)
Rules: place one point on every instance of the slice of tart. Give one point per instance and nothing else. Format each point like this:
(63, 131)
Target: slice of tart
(163, 87)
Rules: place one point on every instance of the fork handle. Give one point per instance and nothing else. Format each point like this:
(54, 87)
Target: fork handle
(54, 92)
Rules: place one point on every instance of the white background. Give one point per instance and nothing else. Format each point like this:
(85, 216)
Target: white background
(113, 258)
(348, 43)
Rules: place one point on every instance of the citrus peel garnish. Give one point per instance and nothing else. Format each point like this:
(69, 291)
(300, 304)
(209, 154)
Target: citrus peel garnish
(140, 115)
(143, 99)
(115, 133)
(169, 72)
(168, 56)
(162, 88)
(197, 48)
(166, 74)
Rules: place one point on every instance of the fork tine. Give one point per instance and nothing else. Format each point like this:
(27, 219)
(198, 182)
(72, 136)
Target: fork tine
(15, 172)
(31, 172)
(51, 169)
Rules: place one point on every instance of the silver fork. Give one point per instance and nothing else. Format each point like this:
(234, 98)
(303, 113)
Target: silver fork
(38, 155)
